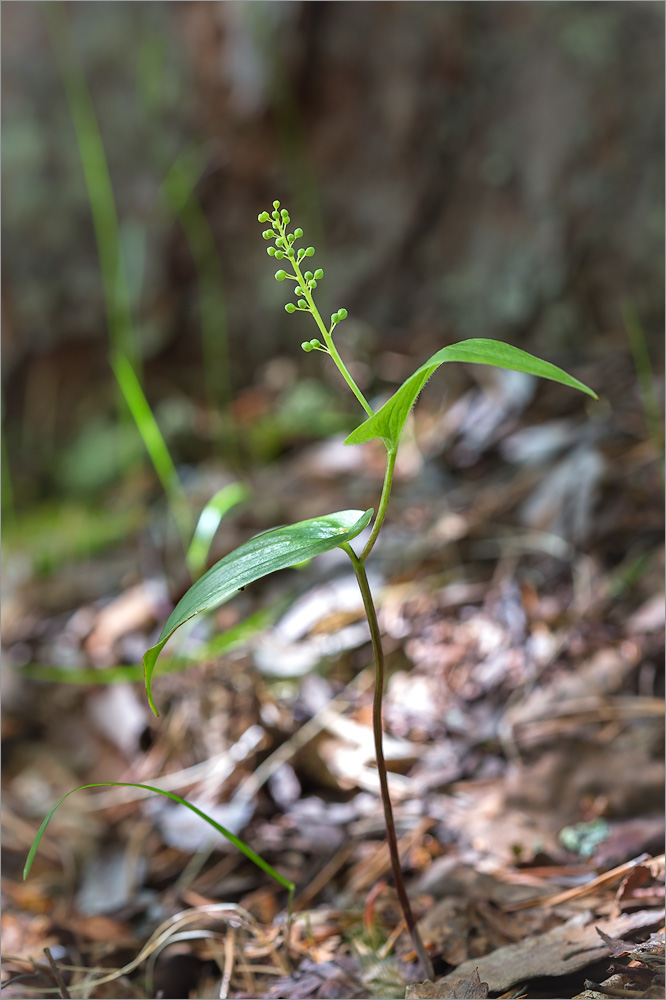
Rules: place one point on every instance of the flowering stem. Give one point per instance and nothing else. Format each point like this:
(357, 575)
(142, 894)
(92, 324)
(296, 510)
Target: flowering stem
(290, 255)
(305, 283)
(328, 340)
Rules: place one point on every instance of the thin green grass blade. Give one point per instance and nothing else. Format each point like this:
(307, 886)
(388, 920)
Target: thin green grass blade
(234, 637)
(266, 553)
(231, 837)
(154, 442)
(97, 180)
(389, 421)
(208, 523)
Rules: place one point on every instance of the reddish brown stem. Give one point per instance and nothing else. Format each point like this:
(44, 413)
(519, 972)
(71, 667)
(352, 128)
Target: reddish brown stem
(378, 732)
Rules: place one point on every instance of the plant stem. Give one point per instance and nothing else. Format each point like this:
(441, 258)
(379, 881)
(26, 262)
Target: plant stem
(358, 562)
(326, 334)
(383, 504)
(364, 586)
(328, 339)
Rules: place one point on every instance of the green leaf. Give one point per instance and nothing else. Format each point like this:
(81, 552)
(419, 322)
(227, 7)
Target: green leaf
(208, 523)
(154, 442)
(236, 841)
(266, 553)
(389, 421)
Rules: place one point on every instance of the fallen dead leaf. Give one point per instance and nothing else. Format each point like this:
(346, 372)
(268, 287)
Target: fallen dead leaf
(649, 617)
(318, 980)
(134, 609)
(558, 952)
(99, 927)
(462, 989)
(616, 946)
(637, 878)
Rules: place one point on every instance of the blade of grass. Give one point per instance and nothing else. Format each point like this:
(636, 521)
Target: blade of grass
(209, 521)
(231, 837)
(117, 294)
(98, 183)
(155, 445)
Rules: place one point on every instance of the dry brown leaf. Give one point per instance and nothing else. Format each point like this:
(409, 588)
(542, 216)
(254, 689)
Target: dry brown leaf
(99, 927)
(462, 989)
(134, 609)
(638, 878)
(559, 952)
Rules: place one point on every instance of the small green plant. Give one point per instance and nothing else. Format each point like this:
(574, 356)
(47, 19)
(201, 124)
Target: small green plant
(294, 544)
(287, 546)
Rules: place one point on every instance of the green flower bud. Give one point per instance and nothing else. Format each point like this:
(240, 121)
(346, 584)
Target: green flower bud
(270, 251)
(279, 255)
(290, 307)
(315, 343)
(305, 346)
(309, 252)
(280, 275)
(268, 234)
(319, 274)
(301, 255)
(279, 242)
(291, 252)
(312, 284)
(334, 319)
(298, 291)
(342, 314)
(298, 233)
(276, 204)
(302, 304)
(308, 275)
(263, 217)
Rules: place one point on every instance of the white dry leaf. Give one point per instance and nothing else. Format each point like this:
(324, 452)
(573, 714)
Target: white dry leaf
(183, 829)
(564, 500)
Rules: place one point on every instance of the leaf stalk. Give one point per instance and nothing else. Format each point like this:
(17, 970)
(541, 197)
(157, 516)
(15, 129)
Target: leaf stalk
(383, 504)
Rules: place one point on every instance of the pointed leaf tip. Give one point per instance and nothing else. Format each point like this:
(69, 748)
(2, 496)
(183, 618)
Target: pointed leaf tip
(265, 553)
(231, 837)
(389, 421)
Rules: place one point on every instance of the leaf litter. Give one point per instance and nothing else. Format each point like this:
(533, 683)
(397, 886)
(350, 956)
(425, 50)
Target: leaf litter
(524, 632)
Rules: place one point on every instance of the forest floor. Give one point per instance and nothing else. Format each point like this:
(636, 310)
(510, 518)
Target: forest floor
(520, 587)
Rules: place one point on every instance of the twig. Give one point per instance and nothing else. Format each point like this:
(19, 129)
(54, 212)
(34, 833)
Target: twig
(57, 975)
(582, 890)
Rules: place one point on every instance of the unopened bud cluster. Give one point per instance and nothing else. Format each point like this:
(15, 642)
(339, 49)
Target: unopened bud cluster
(284, 241)
(306, 282)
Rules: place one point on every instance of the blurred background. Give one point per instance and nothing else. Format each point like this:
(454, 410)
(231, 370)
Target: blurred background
(463, 170)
